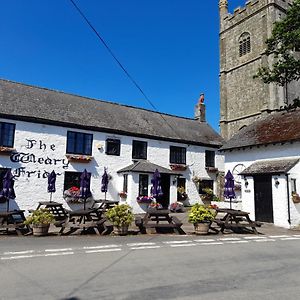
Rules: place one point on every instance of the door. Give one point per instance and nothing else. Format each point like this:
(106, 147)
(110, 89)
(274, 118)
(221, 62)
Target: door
(263, 198)
(164, 200)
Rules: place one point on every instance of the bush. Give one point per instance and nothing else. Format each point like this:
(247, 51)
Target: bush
(120, 215)
(40, 217)
(200, 213)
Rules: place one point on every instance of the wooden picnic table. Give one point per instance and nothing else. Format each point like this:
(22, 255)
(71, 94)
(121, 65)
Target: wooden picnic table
(158, 218)
(235, 220)
(83, 219)
(104, 204)
(56, 209)
(13, 220)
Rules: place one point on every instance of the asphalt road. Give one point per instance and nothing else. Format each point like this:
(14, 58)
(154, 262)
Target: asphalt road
(150, 267)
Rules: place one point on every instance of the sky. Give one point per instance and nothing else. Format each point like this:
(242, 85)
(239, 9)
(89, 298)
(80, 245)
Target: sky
(170, 48)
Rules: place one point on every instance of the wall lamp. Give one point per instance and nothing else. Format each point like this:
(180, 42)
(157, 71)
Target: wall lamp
(246, 182)
(276, 181)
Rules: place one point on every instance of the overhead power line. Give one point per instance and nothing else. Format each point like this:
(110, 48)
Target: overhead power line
(119, 63)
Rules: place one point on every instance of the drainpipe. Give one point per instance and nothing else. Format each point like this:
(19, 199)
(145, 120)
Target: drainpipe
(288, 198)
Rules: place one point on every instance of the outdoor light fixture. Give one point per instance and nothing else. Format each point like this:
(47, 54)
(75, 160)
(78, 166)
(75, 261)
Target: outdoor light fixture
(276, 181)
(246, 182)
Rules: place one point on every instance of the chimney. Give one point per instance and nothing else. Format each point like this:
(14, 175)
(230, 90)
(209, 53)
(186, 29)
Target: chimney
(200, 109)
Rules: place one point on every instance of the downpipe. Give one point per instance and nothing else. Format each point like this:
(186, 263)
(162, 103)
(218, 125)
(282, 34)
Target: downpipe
(288, 198)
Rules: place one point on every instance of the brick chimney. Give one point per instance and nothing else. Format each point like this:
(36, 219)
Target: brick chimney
(200, 109)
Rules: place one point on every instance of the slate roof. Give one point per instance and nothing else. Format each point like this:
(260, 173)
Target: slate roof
(277, 127)
(144, 166)
(35, 104)
(270, 167)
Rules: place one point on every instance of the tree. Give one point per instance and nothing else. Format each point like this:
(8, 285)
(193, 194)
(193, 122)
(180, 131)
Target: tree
(284, 44)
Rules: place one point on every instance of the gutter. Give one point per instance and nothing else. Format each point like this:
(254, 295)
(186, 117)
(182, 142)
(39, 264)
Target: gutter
(288, 198)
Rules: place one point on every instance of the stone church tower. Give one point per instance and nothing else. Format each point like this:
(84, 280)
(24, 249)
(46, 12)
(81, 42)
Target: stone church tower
(242, 45)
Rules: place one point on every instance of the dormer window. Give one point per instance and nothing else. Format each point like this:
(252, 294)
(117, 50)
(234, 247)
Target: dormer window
(244, 44)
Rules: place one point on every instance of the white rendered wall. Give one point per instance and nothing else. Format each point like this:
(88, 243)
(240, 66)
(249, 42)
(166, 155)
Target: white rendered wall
(248, 156)
(46, 144)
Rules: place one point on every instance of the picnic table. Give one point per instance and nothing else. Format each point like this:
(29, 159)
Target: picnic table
(157, 219)
(103, 204)
(85, 219)
(235, 220)
(13, 220)
(56, 209)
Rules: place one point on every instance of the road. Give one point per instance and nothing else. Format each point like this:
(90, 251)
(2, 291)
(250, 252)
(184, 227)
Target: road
(150, 267)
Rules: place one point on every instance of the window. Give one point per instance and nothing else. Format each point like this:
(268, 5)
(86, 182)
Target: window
(209, 158)
(204, 184)
(244, 44)
(113, 147)
(79, 143)
(293, 185)
(71, 179)
(139, 150)
(143, 185)
(7, 134)
(2, 173)
(177, 155)
(125, 183)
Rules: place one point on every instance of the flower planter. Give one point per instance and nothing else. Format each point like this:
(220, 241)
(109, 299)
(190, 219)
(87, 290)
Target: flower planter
(178, 167)
(40, 230)
(212, 169)
(201, 228)
(79, 158)
(121, 230)
(6, 150)
(296, 198)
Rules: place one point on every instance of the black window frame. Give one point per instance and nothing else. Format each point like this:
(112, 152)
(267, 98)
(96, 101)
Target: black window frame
(113, 147)
(210, 159)
(206, 183)
(177, 155)
(143, 185)
(7, 135)
(74, 181)
(139, 149)
(87, 138)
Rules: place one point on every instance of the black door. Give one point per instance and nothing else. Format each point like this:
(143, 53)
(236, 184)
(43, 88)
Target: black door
(164, 200)
(263, 198)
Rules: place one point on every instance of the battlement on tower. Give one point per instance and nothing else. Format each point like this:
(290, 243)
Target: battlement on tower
(251, 7)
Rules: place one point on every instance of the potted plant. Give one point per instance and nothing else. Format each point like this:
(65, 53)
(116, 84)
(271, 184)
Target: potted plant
(295, 197)
(123, 195)
(201, 216)
(121, 217)
(40, 220)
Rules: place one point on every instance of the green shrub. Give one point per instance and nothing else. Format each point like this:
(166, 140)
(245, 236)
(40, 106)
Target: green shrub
(200, 213)
(40, 216)
(120, 215)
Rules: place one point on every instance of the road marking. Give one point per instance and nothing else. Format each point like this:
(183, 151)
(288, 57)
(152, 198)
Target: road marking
(205, 240)
(236, 242)
(103, 250)
(19, 252)
(177, 242)
(254, 237)
(265, 240)
(140, 244)
(213, 243)
(58, 250)
(144, 247)
(102, 247)
(183, 245)
(277, 236)
(229, 239)
(36, 255)
(296, 235)
(290, 238)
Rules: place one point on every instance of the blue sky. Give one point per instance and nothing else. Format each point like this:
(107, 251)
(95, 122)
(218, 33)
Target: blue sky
(170, 47)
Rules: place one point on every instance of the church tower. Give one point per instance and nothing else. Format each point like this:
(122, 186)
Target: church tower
(242, 46)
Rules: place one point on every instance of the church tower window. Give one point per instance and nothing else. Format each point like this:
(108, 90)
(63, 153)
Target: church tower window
(244, 44)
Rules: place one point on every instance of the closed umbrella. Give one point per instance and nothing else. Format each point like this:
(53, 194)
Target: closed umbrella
(51, 183)
(85, 182)
(104, 183)
(8, 187)
(229, 187)
(156, 190)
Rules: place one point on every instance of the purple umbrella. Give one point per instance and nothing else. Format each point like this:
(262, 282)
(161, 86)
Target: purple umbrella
(104, 183)
(156, 190)
(229, 187)
(85, 182)
(8, 187)
(51, 183)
